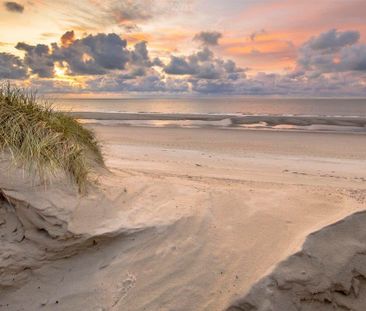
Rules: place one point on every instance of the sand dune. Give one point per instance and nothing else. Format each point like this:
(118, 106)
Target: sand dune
(327, 274)
(184, 220)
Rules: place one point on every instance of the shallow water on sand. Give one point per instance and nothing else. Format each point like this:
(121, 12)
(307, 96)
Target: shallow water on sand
(222, 105)
(299, 114)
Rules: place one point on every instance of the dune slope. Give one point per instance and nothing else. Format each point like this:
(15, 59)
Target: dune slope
(329, 273)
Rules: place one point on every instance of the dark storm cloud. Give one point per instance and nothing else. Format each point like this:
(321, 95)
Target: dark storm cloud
(94, 54)
(38, 59)
(12, 67)
(208, 37)
(14, 7)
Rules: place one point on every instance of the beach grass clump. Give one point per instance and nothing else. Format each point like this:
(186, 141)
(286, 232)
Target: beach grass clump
(44, 141)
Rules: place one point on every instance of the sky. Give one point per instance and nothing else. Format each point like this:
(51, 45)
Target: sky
(203, 47)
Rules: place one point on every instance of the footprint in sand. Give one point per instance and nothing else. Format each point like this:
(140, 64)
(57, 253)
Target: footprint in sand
(123, 288)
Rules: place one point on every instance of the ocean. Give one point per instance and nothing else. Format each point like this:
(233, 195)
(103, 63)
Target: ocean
(311, 114)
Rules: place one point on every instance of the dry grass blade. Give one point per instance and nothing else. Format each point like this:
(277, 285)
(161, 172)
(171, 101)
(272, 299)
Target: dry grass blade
(45, 141)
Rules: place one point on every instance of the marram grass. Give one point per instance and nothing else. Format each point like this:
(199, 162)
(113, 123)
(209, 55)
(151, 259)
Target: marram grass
(44, 141)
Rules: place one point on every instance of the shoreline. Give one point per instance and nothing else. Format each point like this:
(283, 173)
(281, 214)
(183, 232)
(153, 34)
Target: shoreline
(228, 121)
(236, 118)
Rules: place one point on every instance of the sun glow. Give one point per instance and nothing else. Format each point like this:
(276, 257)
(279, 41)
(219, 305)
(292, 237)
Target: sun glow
(61, 75)
(86, 58)
(60, 71)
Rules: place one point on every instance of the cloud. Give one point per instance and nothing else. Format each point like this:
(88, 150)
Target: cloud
(261, 84)
(125, 14)
(134, 73)
(179, 66)
(14, 7)
(68, 38)
(151, 82)
(132, 10)
(332, 51)
(12, 67)
(44, 86)
(203, 65)
(140, 55)
(38, 59)
(93, 55)
(333, 63)
(353, 58)
(88, 56)
(333, 40)
(208, 38)
(137, 11)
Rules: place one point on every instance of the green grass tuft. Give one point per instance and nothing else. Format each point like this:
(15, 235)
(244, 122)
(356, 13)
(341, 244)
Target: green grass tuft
(45, 141)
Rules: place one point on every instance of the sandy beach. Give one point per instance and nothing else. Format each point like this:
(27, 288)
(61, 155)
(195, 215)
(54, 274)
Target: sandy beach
(188, 219)
(198, 155)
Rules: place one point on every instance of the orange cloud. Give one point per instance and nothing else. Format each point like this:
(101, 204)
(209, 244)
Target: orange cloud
(67, 38)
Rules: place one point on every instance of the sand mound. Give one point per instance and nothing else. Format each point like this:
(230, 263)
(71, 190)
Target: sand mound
(34, 226)
(58, 248)
(39, 224)
(329, 273)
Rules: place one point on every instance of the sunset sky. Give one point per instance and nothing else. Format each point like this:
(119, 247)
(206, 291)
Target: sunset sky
(241, 47)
